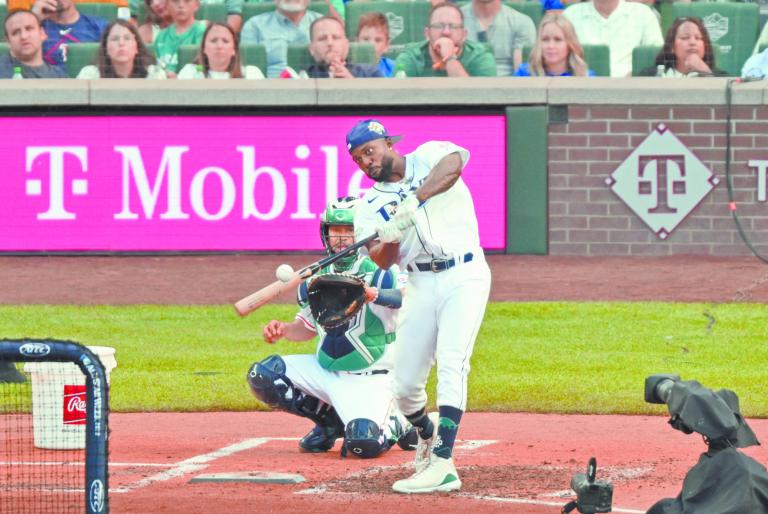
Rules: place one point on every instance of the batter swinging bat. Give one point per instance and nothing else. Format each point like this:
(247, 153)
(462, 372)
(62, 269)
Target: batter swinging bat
(266, 294)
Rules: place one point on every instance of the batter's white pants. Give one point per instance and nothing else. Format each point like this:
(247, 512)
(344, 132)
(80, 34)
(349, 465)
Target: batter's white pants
(353, 396)
(439, 322)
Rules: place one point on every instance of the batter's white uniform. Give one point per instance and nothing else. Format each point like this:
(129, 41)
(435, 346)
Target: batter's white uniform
(444, 308)
(366, 393)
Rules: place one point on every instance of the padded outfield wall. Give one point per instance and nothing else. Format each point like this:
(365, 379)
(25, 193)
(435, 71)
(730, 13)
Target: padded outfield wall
(564, 167)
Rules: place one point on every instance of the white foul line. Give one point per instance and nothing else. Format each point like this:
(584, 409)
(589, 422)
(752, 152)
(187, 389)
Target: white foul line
(193, 464)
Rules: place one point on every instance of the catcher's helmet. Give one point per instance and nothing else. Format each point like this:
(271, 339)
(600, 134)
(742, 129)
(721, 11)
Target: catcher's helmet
(338, 212)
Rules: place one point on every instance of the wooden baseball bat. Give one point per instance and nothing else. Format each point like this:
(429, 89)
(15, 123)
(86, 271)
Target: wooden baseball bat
(266, 294)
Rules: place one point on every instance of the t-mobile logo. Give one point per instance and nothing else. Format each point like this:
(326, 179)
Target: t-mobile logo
(56, 179)
(663, 180)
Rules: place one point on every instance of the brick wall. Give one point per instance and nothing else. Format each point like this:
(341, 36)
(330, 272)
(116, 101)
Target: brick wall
(587, 218)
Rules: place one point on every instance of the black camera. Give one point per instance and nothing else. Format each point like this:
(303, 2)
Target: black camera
(591, 495)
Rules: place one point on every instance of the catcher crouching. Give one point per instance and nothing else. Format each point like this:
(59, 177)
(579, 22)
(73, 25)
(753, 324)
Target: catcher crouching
(344, 388)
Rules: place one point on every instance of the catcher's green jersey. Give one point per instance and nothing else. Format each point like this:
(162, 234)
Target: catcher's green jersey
(363, 340)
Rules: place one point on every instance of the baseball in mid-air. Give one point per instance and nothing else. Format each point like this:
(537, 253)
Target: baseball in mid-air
(284, 273)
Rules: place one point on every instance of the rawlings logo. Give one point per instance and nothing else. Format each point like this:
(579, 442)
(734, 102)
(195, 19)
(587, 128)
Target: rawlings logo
(35, 349)
(96, 496)
(74, 405)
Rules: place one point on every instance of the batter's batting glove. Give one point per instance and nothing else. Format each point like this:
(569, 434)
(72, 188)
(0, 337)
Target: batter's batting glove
(406, 212)
(389, 233)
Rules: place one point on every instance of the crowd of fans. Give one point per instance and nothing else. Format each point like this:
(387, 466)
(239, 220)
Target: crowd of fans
(479, 38)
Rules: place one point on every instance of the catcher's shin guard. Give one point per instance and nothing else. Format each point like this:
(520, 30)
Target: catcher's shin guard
(270, 384)
(364, 438)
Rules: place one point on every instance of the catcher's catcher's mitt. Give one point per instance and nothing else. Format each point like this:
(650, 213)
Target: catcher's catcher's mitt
(334, 299)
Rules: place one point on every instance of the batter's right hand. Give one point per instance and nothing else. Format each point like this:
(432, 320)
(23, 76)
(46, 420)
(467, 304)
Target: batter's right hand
(273, 331)
(389, 233)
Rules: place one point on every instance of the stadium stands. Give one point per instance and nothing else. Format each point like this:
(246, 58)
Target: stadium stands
(80, 55)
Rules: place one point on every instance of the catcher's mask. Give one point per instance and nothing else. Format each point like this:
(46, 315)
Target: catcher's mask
(339, 212)
(334, 299)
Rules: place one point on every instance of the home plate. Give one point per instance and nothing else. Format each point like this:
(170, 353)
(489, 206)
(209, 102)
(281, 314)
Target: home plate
(258, 477)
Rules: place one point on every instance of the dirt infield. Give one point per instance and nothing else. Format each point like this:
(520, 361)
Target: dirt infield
(519, 463)
(225, 278)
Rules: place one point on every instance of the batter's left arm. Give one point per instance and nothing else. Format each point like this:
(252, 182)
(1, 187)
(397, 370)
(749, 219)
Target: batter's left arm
(441, 178)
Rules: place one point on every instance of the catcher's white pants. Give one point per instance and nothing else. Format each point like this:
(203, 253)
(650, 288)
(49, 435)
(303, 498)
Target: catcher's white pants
(439, 322)
(353, 396)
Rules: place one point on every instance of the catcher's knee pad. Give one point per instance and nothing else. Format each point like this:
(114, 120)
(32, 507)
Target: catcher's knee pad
(269, 383)
(364, 438)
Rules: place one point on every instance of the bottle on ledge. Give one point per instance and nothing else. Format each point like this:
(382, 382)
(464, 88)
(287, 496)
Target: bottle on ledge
(17, 73)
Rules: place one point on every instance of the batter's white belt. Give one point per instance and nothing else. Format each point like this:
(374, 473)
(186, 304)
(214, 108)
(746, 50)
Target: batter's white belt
(438, 265)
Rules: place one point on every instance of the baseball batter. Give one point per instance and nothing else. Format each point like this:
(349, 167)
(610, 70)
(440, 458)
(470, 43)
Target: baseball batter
(345, 387)
(425, 218)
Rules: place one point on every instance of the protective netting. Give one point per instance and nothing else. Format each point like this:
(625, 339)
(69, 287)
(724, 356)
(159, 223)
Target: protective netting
(42, 441)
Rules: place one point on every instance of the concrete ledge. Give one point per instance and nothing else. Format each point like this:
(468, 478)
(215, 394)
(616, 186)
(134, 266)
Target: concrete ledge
(432, 91)
(482, 92)
(203, 93)
(43, 93)
(652, 91)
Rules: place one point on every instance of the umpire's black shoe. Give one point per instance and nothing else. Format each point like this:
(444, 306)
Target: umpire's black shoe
(319, 439)
(9, 374)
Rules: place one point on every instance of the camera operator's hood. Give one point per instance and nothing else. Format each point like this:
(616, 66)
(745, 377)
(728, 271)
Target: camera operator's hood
(713, 414)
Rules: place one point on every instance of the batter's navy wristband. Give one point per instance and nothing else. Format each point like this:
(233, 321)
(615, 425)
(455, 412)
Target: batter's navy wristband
(392, 298)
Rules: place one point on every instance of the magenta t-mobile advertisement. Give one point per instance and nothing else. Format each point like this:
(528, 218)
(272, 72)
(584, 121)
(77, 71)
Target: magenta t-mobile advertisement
(173, 183)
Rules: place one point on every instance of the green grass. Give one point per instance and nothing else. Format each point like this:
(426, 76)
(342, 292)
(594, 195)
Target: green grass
(535, 357)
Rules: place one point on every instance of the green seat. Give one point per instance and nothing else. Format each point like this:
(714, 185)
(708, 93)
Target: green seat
(299, 58)
(80, 55)
(108, 11)
(4, 48)
(530, 9)
(251, 9)
(598, 58)
(733, 26)
(212, 12)
(253, 54)
(187, 54)
(645, 56)
(407, 19)
(3, 15)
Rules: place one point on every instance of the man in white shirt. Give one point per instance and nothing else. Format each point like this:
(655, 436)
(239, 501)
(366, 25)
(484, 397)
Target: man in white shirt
(425, 217)
(620, 24)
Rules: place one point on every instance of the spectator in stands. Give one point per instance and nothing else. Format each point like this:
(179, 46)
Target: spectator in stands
(25, 38)
(122, 55)
(756, 66)
(234, 14)
(505, 29)
(64, 25)
(557, 52)
(620, 24)
(219, 57)
(156, 18)
(687, 52)
(446, 51)
(287, 25)
(329, 47)
(373, 28)
(185, 30)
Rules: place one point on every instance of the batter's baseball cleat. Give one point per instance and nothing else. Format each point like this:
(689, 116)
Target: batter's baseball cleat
(319, 439)
(424, 446)
(440, 476)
